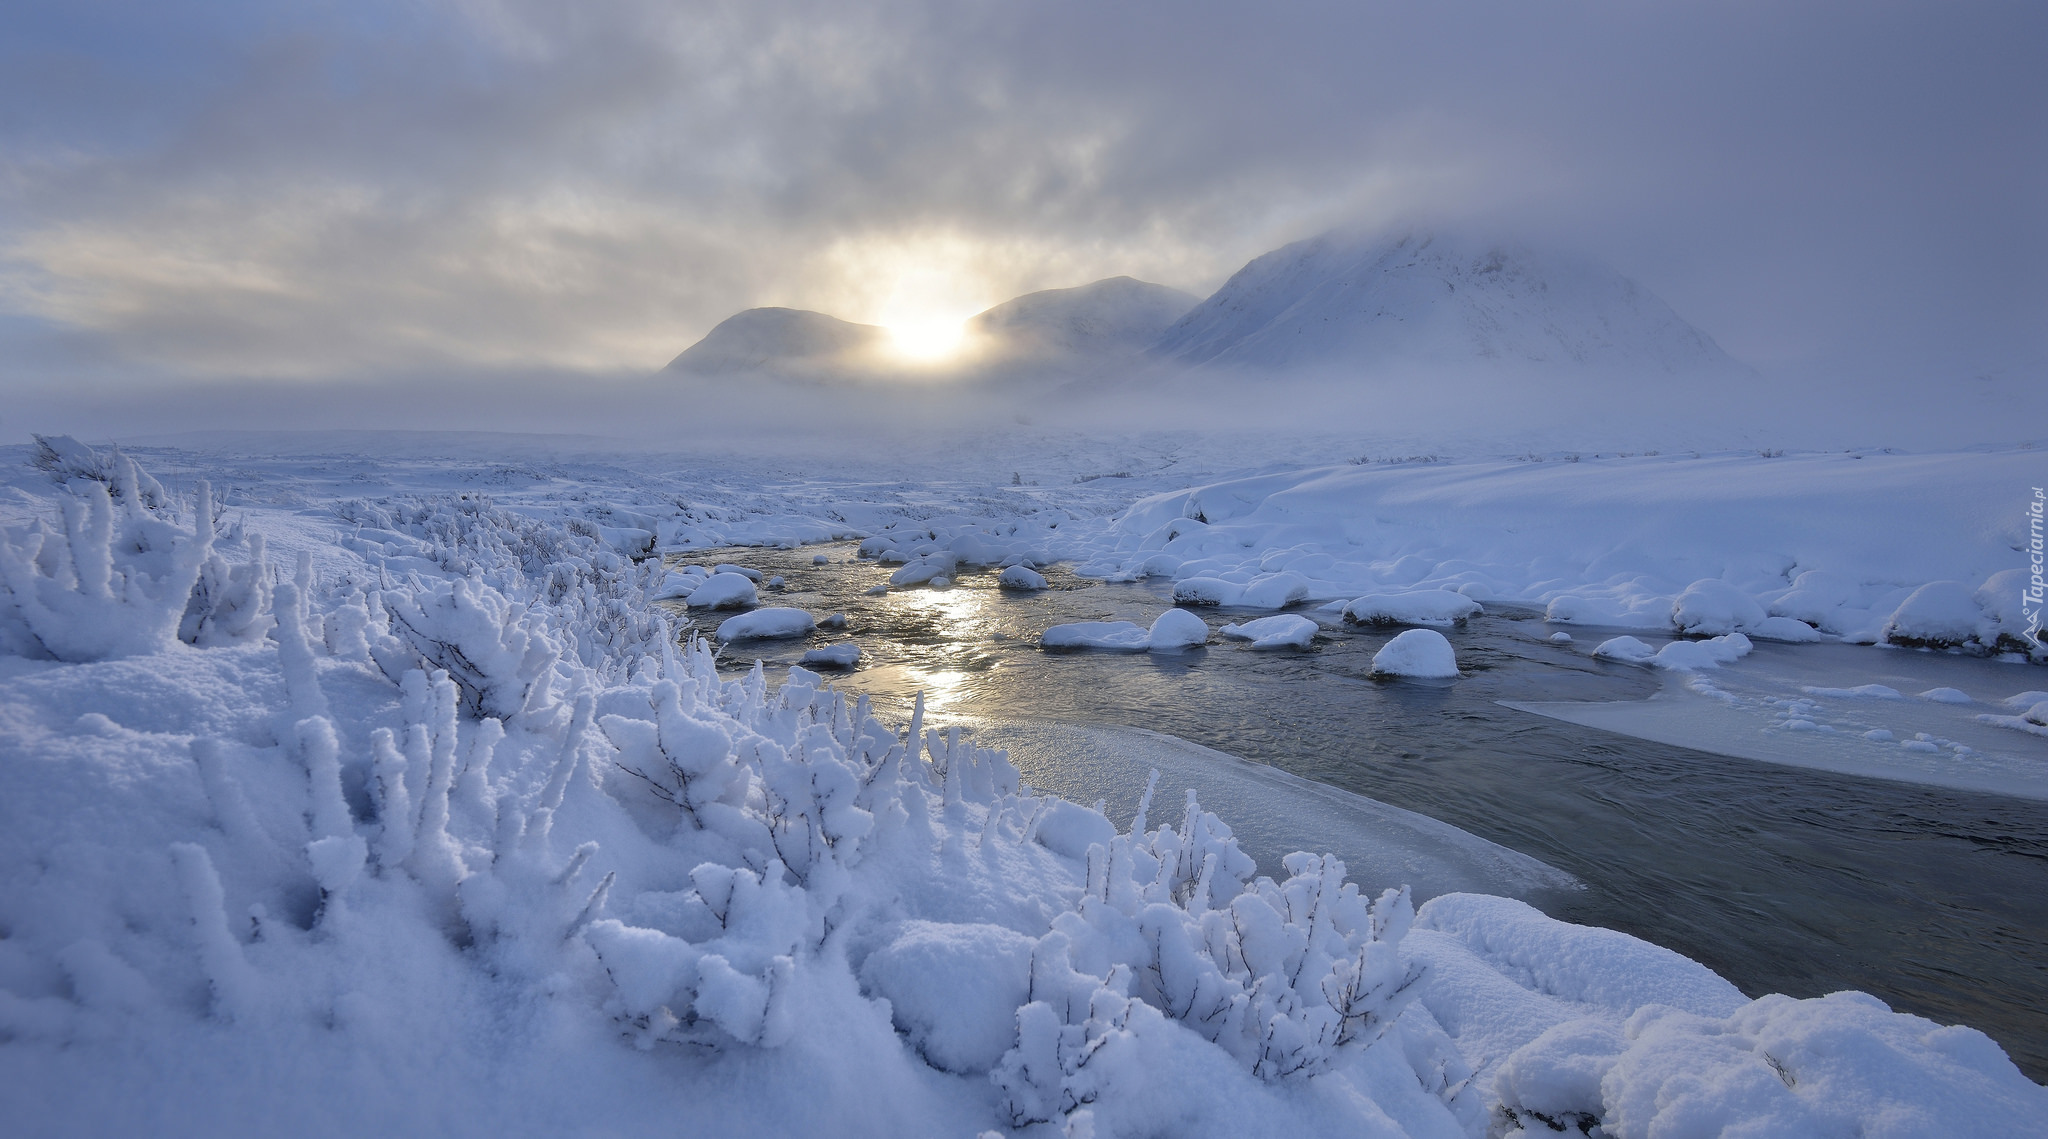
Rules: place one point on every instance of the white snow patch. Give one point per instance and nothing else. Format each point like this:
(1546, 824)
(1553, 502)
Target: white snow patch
(1419, 653)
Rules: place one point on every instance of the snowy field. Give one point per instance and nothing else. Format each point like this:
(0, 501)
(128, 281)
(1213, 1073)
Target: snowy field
(366, 783)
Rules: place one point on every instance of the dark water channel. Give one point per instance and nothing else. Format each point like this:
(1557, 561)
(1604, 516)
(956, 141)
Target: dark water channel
(1779, 878)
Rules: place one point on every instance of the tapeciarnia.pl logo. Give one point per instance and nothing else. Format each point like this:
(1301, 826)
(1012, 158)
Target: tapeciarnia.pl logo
(2031, 596)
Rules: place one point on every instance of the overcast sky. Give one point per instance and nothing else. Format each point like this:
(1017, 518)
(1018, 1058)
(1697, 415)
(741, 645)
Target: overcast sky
(360, 188)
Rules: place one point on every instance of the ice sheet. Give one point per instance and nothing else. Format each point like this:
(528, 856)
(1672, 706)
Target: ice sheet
(1791, 705)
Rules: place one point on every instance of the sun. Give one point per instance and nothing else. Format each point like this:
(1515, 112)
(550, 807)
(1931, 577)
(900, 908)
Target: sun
(927, 341)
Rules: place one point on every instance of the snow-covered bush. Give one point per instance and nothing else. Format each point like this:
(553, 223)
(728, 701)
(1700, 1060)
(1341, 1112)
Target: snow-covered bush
(113, 582)
(1282, 976)
(498, 653)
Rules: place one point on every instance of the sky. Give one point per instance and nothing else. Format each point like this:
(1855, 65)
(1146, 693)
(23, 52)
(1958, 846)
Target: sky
(380, 191)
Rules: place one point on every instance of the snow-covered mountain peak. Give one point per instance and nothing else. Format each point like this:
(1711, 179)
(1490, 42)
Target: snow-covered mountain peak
(1421, 296)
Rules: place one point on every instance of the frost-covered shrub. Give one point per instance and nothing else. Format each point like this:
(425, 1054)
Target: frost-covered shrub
(229, 604)
(497, 652)
(1282, 976)
(594, 602)
(113, 582)
(69, 461)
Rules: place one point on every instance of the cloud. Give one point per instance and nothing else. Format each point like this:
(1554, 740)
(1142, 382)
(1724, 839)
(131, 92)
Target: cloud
(397, 187)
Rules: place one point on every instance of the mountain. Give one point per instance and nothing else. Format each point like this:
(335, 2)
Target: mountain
(1435, 299)
(784, 340)
(1117, 317)
(1057, 332)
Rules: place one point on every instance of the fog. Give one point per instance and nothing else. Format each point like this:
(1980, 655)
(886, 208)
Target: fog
(507, 215)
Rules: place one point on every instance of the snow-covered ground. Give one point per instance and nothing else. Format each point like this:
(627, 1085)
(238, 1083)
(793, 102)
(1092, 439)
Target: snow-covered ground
(381, 796)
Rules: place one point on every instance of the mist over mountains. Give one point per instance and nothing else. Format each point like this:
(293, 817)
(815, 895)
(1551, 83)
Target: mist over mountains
(1331, 303)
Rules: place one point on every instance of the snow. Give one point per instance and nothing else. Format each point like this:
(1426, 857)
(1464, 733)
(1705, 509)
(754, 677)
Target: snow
(1439, 607)
(770, 622)
(1679, 656)
(366, 815)
(1417, 652)
(1946, 695)
(1175, 630)
(1022, 578)
(1940, 614)
(1280, 631)
(843, 655)
(1118, 636)
(1439, 297)
(724, 590)
(1710, 607)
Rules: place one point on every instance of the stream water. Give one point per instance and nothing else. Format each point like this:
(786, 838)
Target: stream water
(1779, 878)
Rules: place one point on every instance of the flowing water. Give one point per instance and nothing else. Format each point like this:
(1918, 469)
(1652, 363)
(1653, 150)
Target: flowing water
(1781, 879)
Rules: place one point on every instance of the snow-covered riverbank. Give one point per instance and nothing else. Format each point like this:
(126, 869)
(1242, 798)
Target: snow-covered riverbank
(372, 803)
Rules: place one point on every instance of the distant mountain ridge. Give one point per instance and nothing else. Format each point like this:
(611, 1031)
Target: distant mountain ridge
(1423, 297)
(1337, 300)
(776, 339)
(1119, 316)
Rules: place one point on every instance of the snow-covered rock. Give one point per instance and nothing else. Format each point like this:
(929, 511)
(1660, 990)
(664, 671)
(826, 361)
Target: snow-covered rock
(846, 654)
(1280, 631)
(1022, 578)
(724, 591)
(1709, 607)
(1680, 656)
(1419, 653)
(1939, 615)
(1435, 607)
(1176, 630)
(927, 569)
(770, 623)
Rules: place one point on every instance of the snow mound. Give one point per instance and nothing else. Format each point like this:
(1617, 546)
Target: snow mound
(1177, 630)
(1842, 1064)
(1438, 607)
(1783, 629)
(927, 569)
(1709, 607)
(1938, 615)
(678, 585)
(1419, 653)
(954, 990)
(725, 591)
(1280, 631)
(1264, 591)
(1947, 696)
(1022, 578)
(772, 623)
(843, 655)
(1679, 656)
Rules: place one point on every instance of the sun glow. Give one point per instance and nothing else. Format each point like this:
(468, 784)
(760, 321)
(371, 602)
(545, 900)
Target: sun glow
(927, 341)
